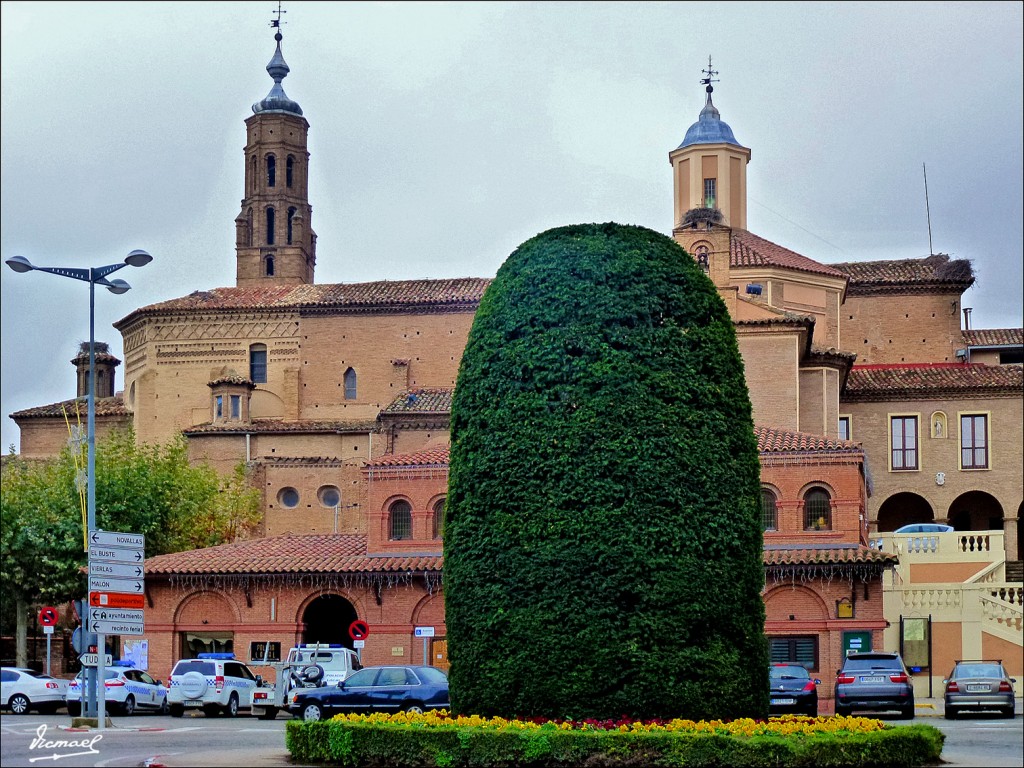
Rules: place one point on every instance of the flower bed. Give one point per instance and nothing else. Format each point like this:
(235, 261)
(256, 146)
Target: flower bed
(438, 739)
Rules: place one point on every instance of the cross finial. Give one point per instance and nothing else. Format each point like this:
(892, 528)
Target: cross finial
(710, 76)
(277, 22)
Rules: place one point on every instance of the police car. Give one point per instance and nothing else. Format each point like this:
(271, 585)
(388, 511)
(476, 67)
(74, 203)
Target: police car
(213, 682)
(126, 691)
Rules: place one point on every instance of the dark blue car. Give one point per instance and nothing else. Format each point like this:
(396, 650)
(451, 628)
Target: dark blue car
(375, 689)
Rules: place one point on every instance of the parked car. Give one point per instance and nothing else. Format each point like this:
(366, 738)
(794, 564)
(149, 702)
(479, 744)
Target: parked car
(213, 681)
(977, 686)
(126, 691)
(924, 528)
(876, 681)
(375, 689)
(22, 690)
(793, 690)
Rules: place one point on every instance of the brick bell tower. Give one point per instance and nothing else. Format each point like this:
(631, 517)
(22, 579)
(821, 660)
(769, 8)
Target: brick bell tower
(274, 239)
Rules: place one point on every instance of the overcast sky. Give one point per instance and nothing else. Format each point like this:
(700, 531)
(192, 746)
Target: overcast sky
(444, 134)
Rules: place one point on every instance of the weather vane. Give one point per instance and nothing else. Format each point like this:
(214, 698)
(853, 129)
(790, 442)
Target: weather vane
(277, 22)
(710, 75)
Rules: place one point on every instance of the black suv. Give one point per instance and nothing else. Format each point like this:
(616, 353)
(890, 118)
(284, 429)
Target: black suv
(876, 681)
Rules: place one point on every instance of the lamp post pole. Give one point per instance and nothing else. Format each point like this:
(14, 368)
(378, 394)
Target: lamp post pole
(93, 704)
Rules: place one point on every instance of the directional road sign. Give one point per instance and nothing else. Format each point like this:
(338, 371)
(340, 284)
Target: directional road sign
(111, 584)
(114, 600)
(115, 555)
(115, 539)
(102, 627)
(116, 614)
(116, 570)
(93, 659)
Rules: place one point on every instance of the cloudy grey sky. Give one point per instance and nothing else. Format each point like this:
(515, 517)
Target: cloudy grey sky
(444, 134)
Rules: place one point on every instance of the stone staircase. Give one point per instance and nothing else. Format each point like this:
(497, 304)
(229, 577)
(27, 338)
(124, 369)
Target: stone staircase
(1015, 570)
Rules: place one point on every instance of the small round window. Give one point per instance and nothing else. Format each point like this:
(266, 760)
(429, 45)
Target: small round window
(329, 496)
(288, 497)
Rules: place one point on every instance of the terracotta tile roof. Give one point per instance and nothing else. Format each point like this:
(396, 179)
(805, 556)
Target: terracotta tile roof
(383, 294)
(930, 380)
(994, 337)
(433, 456)
(776, 315)
(274, 425)
(320, 553)
(422, 401)
(832, 354)
(231, 377)
(899, 275)
(772, 440)
(748, 250)
(787, 554)
(105, 406)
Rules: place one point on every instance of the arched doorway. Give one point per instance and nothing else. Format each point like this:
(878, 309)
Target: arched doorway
(902, 509)
(327, 619)
(976, 511)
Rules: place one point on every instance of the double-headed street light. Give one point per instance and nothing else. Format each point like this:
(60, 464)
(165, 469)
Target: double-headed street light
(94, 705)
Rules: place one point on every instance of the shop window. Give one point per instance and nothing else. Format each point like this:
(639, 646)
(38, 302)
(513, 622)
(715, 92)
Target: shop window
(194, 643)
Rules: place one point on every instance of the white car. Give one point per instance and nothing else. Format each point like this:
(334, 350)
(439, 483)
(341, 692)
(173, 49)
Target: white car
(214, 682)
(126, 691)
(22, 690)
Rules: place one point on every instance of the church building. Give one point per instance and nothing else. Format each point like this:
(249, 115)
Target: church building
(336, 397)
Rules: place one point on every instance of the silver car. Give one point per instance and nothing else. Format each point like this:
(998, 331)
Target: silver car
(875, 681)
(977, 686)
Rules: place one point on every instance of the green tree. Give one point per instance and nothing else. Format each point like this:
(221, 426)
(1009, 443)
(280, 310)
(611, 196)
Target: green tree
(602, 541)
(148, 489)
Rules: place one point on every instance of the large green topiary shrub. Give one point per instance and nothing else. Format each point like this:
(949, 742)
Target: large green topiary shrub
(603, 538)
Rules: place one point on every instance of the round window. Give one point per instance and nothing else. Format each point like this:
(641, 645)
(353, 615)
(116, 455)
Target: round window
(288, 497)
(329, 496)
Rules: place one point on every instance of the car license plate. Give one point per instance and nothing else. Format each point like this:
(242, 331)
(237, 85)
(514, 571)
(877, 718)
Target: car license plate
(978, 688)
(783, 702)
(873, 679)
(193, 703)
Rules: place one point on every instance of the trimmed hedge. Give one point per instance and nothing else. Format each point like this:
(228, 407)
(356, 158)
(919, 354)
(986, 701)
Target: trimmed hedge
(384, 746)
(603, 537)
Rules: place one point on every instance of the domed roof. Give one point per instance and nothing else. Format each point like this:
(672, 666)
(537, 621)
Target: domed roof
(277, 100)
(709, 128)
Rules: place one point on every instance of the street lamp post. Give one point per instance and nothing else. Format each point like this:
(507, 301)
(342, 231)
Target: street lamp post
(94, 702)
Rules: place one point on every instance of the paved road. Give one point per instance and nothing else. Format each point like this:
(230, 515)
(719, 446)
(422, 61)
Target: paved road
(207, 742)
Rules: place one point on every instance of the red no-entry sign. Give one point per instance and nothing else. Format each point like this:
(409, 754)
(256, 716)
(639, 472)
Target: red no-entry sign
(358, 630)
(48, 616)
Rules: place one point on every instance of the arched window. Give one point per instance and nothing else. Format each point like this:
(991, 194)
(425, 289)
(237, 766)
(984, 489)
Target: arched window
(288, 176)
(270, 266)
(769, 510)
(817, 510)
(703, 257)
(400, 521)
(350, 384)
(258, 363)
(438, 527)
(270, 226)
(271, 171)
(248, 227)
(291, 215)
(252, 175)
